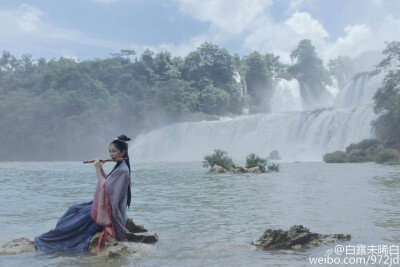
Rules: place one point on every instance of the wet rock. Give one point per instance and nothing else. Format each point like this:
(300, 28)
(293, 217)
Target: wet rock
(133, 228)
(17, 246)
(147, 238)
(217, 169)
(240, 169)
(137, 233)
(297, 238)
(255, 169)
(112, 248)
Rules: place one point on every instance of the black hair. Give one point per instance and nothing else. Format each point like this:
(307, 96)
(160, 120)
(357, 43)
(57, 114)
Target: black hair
(121, 144)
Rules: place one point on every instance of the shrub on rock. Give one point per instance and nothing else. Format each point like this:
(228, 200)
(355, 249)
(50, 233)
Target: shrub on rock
(220, 158)
(253, 160)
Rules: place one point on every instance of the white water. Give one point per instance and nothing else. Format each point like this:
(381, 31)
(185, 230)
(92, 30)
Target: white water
(359, 91)
(297, 135)
(286, 96)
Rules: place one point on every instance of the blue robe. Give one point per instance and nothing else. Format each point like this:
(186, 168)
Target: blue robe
(72, 233)
(75, 228)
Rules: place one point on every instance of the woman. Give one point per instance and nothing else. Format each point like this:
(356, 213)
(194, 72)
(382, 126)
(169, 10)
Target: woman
(106, 213)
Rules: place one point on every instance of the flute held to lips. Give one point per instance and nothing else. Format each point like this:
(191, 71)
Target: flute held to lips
(105, 160)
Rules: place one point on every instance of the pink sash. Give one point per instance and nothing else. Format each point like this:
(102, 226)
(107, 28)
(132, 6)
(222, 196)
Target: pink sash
(101, 211)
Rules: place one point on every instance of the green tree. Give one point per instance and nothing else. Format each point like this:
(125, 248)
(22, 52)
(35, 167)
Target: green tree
(387, 98)
(342, 68)
(258, 81)
(310, 71)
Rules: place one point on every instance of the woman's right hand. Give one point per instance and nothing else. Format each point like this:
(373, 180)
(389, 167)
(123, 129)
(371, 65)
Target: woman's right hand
(97, 163)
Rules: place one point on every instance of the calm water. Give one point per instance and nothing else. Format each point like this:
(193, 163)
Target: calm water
(206, 219)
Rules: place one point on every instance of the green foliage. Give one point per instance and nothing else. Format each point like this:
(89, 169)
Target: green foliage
(342, 68)
(364, 145)
(388, 156)
(49, 105)
(368, 150)
(310, 71)
(253, 160)
(335, 157)
(273, 167)
(258, 80)
(387, 98)
(220, 158)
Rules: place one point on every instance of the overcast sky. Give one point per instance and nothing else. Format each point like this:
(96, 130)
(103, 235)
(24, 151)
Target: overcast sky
(87, 29)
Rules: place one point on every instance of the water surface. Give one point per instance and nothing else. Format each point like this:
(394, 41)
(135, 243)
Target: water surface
(207, 219)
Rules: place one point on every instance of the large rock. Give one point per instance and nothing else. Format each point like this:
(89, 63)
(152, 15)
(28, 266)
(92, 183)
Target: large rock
(255, 169)
(113, 248)
(133, 228)
(298, 237)
(240, 169)
(17, 246)
(217, 169)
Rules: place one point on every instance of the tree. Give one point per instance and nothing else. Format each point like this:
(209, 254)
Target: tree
(342, 69)
(258, 80)
(310, 71)
(387, 98)
(274, 66)
(211, 62)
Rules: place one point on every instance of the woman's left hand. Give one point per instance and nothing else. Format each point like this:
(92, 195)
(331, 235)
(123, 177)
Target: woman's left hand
(97, 163)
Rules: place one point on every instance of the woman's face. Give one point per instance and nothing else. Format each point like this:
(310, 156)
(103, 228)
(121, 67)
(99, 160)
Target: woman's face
(115, 153)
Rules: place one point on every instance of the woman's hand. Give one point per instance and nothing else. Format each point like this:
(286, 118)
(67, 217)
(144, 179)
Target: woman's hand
(97, 163)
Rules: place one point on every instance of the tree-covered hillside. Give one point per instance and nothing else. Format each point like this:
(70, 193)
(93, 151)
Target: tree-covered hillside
(63, 109)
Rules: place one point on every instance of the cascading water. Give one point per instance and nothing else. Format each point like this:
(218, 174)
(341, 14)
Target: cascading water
(286, 96)
(359, 91)
(297, 135)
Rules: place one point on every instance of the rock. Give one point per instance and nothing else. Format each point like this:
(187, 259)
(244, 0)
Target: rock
(240, 169)
(298, 237)
(17, 246)
(112, 248)
(147, 238)
(255, 169)
(274, 155)
(217, 169)
(133, 228)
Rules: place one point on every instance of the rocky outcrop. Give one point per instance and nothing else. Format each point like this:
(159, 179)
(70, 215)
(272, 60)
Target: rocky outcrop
(236, 169)
(217, 169)
(255, 169)
(297, 238)
(17, 246)
(112, 248)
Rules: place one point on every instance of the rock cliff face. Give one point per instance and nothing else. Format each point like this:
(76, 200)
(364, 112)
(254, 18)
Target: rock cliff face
(297, 238)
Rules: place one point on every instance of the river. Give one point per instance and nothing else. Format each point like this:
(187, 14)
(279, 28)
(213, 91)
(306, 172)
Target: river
(205, 219)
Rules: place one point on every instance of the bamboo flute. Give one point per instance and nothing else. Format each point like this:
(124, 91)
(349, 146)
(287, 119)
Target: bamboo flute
(104, 160)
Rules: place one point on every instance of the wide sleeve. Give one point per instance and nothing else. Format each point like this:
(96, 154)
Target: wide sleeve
(101, 204)
(117, 190)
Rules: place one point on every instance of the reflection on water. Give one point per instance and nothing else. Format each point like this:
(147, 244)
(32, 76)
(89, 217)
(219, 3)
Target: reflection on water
(208, 219)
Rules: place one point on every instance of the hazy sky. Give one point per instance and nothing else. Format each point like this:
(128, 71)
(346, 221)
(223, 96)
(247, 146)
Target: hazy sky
(87, 29)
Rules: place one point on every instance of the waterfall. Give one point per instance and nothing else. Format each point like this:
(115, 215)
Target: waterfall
(286, 96)
(304, 136)
(360, 90)
(298, 134)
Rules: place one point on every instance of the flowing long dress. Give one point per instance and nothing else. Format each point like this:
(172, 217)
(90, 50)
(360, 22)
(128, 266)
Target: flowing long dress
(107, 213)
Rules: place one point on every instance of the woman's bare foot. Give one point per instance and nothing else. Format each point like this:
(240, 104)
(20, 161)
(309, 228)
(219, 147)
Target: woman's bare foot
(30, 240)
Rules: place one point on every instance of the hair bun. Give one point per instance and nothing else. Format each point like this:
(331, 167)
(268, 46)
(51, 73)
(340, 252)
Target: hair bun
(124, 137)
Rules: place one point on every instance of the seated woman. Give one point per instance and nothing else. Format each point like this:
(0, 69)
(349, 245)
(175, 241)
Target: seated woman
(106, 213)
